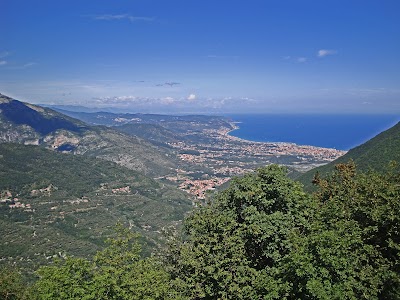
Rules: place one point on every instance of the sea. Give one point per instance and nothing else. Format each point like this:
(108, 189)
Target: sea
(341, 132)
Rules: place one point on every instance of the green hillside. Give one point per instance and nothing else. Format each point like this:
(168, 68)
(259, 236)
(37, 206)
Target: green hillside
(261, 238)
(375, 154)
(154, 133)
(56, 203)
(31, 124)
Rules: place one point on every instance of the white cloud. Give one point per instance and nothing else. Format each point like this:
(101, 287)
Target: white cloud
(121, 17)
(167, 100)
(119, 99)
(302, 59)
(172, 102)
(122, 101)
(326, 52)
(3, 62)
(191, 97)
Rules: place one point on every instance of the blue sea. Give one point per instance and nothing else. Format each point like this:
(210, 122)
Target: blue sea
(341, 132)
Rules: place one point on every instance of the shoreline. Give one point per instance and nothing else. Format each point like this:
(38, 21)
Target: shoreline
(339, 132)
(235, 138)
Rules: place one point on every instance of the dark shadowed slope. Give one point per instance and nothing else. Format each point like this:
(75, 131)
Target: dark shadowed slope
(43, 122)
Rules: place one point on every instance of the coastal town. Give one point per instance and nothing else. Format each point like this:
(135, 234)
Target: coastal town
(218, 156)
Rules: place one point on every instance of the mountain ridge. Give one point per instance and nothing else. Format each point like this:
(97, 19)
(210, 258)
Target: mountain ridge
(30, 124)
(375, 154)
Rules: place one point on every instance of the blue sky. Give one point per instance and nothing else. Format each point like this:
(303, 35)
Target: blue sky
(265, 56)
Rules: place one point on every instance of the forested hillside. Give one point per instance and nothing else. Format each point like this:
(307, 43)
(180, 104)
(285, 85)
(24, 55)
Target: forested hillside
(375, 154)
(57, 204)
(262, 238)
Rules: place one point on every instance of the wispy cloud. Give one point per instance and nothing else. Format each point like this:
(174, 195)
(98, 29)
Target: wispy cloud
(222, 56)
(22, 67)
(30, 64)
(189, 102)
(300, 59)
(4, 54)
(137, 100)
(326, 52)
(110, 17)
(170, 84)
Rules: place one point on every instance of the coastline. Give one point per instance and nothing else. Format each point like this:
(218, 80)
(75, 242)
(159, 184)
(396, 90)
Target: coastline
(242, 140)
(340, 132)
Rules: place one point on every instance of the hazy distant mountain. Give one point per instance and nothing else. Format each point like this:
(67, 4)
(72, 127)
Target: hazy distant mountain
(80, 108)
(73, 108)
(374, 154)
(174, 123)
(154, 133)
(31, 124)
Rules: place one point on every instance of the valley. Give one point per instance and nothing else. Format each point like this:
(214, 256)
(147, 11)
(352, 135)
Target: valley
(56, 204)
(206, 155)
(66, 182)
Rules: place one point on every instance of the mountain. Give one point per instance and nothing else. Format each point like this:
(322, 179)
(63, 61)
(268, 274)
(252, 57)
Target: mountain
(53, 203)
(30, 124)
(78, 108)
(65, 184)
(159, 129)
(374, 154)
(156, 134)
(21, 122)
(177, 124)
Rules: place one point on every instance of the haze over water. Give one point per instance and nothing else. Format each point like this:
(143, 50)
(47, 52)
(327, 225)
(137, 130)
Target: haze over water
(342, 132)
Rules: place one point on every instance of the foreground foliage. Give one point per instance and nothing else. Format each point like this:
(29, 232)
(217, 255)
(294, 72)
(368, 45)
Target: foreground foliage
(117, 272)
(262, 238)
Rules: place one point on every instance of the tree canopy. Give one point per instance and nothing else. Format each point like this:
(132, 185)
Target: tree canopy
(117, 272)
(261, 238)
(264, 238)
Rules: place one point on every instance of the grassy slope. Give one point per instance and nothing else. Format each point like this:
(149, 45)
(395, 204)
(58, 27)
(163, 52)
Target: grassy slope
(375, 154)
(61, 221)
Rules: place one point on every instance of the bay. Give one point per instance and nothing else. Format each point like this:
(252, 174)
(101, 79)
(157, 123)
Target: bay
(341, 132)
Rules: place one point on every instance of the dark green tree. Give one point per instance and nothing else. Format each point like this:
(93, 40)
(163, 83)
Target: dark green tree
(12, 286)
(234, 246)
(264, 238)
(352, 248)
(117, 272)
